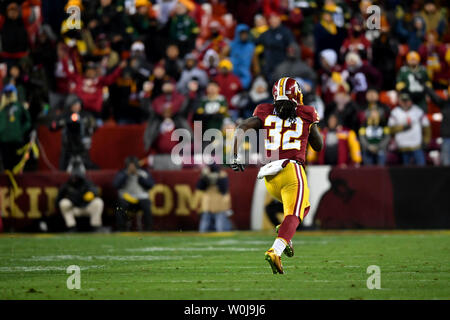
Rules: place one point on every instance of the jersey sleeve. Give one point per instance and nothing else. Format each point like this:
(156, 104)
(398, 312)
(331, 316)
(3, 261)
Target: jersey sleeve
(312, 116)
(260, 112)
(315, 116)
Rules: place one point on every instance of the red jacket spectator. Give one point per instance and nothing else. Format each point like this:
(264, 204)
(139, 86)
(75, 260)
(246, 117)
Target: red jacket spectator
(89, 88)
(167, 105)
(357, 42)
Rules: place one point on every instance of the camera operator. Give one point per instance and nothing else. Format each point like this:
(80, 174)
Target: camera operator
(80, 197)
(77, 128)
(215, 201)
(133, 184)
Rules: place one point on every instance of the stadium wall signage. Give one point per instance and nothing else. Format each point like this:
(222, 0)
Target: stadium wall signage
(341, 198)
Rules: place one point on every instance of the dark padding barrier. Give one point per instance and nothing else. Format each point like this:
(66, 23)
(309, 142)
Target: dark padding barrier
(387, 198)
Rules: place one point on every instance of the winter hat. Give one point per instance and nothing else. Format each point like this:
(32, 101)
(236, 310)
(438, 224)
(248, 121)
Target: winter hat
(330, 56)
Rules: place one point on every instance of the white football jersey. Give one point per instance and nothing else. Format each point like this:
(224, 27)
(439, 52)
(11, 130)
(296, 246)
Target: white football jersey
(411, 138)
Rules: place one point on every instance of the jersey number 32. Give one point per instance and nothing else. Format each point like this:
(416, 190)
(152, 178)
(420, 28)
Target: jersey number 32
(287, 140)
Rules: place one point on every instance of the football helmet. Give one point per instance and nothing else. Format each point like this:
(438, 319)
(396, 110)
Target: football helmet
(287, 89)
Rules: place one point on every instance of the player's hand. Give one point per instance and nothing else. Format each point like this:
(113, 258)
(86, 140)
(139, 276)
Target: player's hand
(237, 164)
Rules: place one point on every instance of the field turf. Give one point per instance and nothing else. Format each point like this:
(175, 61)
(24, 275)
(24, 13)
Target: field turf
(180, 265)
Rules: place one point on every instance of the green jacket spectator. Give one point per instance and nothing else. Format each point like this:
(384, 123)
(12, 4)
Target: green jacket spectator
(14, 123)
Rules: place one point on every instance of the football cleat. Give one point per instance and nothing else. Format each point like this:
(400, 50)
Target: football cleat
(289, 250)
(274, 261)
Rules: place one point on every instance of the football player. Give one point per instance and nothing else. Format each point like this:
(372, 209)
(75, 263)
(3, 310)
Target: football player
(290, 126)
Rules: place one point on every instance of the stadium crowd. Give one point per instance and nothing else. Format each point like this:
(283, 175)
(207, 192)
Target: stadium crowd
(168, 63)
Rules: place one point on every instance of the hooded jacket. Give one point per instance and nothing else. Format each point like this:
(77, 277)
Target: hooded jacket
(241, 54)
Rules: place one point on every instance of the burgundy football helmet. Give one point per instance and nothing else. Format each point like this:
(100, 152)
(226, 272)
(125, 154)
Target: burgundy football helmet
(287, 89)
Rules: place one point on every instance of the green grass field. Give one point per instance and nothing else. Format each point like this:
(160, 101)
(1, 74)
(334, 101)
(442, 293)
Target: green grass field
(327, 265)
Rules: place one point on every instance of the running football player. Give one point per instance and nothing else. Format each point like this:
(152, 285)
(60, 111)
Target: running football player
(290, 126)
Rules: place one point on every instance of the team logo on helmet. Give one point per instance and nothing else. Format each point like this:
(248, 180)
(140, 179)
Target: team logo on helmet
(287, 89)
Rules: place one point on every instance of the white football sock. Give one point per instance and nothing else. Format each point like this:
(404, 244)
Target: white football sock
(278, 246)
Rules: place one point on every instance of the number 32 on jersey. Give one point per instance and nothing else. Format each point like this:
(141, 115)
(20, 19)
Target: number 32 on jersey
(287, 140)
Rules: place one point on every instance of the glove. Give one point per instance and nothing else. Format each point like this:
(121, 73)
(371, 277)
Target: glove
(237, 164)
(88, 196)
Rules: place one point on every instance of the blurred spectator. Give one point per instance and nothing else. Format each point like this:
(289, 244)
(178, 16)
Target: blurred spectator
(165, 9)
(157, 79)
(78, 127)
(275, 41)
(125, 98)
(360, 75)
(89, 87)
(327, 35)
(183, 29)
(166, 114)
(384, 54)
(310, 97)
(204, 23)
(229, 84)
(340, 145)
(411, 77)
(344, 108)
(139, 65)
(294, 67)
(45, 52)
(356, 41)
(444, 105)
(259, 93)
(133, 184)
(66, 59)
(216, 41)
(15, 123)
(172, 62)
(80, 197)
(229, 26)
(433, 54)
(413, 35)
(338, 10)
(329, 75)
(109, 19)
(411, 128)
(374, 138)
(210, 63)
(139, 21)
(16, 78)
(189, 72)
(215, 201)
(194, 96)
(13, 31)
(108, 57)
(433, 17)
(156, 36)
(241, 54)
(259, 26)
(373, 103)
(213, 108)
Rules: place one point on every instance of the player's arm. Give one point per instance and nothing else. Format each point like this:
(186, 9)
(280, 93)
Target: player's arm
(315, 138)
(250, 123)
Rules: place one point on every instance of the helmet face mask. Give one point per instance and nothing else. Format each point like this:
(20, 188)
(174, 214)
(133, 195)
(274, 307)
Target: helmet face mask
(287, 88)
